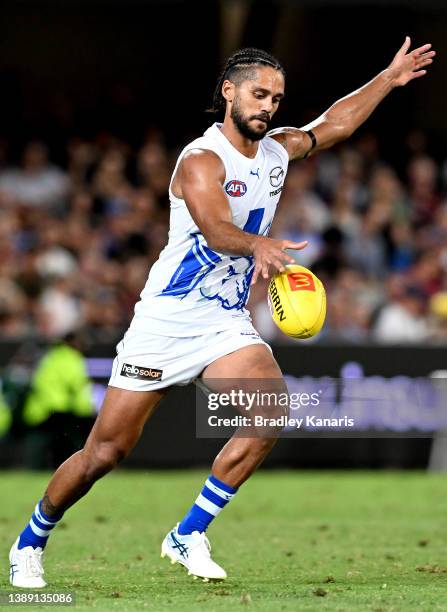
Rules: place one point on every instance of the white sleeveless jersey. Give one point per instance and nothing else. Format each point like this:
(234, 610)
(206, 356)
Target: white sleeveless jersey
(192, 289)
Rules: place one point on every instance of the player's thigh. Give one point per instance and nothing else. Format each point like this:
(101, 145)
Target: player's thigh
(253, 371)
(252, 361)
(123, 415)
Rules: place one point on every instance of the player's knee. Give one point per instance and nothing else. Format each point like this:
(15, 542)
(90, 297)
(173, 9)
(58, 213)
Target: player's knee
(103, 458)
(265, 444)
(254, 450)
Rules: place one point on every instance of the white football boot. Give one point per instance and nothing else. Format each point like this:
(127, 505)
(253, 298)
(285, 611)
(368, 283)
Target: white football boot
(26, 568)
(192, 551)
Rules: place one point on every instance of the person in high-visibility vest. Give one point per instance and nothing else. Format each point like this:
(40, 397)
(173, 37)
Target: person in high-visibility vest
(5, 417)
(60, 394)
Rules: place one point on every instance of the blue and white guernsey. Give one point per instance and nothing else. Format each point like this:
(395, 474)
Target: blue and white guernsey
(192, 288)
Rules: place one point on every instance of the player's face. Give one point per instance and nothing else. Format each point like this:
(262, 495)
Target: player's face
(256, 101)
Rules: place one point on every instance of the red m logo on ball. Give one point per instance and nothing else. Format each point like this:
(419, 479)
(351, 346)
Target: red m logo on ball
(301, 281)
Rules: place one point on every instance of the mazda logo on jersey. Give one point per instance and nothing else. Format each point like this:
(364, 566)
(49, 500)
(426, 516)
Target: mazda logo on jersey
(276, 176)
(236, 189)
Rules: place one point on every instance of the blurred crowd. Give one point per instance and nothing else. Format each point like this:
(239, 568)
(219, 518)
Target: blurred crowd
(77, 239)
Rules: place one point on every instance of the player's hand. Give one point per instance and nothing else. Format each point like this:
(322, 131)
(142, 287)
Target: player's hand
(407, 66)
(269, 254)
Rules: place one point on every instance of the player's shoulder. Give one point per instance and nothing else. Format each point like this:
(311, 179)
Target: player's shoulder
(199, 160)
(205, 149)
(200, 155)
(293, 140)
(282, 134)
(276, 141)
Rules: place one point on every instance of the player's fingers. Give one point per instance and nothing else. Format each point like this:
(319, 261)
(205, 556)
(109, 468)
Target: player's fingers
(418, 74)
(256, 271)
(265, 270)
(285, 257)
(403, 50)
(278, 265)
(297, 246)
(281, 255)
(424, 63)
(421, 50)
(429, 54)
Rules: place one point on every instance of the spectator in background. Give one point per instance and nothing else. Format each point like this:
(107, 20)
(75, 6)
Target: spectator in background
(58, 410)
(37, 182)
(153, 167)
(5, 417)
(76, 243)
(438, 317)
(402, 247)
(332, 255)
(344, 215)
(365, 249)
(422, 177)
(353, 300)
(302, 215)
(12, 310)
(59, 309)
(402, 321)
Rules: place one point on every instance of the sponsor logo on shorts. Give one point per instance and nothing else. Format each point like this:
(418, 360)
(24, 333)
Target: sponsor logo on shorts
(140, 372)
(301, 281)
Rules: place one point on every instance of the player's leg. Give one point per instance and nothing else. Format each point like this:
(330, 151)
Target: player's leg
(240, 456)
(238, 459)
(114, 434)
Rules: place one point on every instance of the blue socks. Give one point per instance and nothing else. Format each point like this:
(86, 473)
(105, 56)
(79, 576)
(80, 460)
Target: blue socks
(38, 530)
(215, 495)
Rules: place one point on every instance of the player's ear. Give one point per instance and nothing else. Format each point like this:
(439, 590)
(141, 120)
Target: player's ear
(228, 89)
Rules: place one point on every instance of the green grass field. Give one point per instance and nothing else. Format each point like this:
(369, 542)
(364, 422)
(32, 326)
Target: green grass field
(289, 541)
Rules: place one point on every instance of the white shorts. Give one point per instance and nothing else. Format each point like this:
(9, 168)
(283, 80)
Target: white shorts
(146, 361)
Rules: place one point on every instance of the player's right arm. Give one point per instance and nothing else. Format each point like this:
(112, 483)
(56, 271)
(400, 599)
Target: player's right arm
(199, 182)
(348, 113)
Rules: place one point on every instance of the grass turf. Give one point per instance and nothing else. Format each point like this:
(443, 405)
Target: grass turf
(289, 541)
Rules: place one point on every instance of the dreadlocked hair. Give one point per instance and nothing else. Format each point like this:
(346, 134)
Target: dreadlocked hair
(239, 67)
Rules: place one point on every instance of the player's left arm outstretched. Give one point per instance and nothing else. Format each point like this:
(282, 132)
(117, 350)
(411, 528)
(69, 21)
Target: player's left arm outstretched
(348, 113)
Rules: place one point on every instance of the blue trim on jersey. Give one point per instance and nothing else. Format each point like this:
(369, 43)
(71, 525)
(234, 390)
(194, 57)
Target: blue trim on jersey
(254, 221)
(191, 269)
(200, 261)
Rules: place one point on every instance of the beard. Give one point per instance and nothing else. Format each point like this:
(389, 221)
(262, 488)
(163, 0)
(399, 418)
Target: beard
(242, 123)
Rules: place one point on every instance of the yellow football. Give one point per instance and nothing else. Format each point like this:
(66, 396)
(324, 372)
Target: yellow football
(297, 301)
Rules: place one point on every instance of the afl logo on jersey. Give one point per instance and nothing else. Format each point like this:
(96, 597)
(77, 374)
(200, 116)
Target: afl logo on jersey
(236, 189)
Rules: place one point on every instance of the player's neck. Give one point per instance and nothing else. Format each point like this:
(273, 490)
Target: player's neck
(247, 147)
